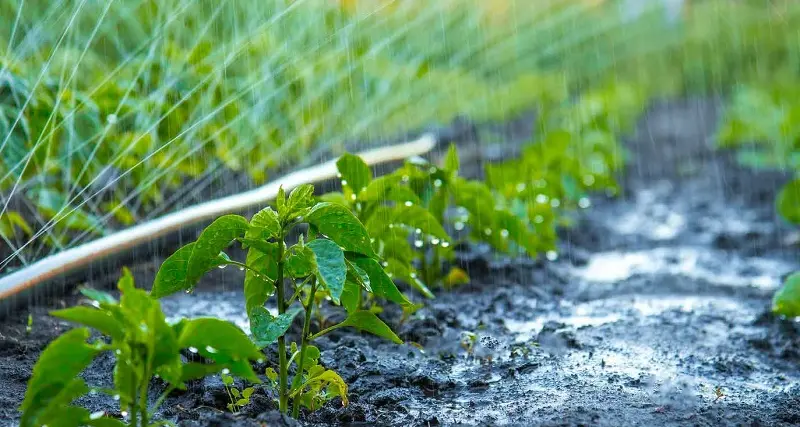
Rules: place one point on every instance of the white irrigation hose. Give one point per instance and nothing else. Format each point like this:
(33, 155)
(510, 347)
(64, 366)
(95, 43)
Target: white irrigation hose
(13, 285)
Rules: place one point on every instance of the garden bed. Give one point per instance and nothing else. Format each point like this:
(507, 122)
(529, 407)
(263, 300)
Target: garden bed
(656, 312)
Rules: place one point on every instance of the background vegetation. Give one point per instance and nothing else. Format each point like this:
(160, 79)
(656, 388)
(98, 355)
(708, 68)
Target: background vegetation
(113, 112)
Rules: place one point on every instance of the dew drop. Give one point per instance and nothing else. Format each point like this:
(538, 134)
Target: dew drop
(588, 179)
(418, 243)
(96, 415)
(116, 397)
(445, 244)
(555, 203)
(487, 231)
(418, 231)
(192, 350)
(504, 233)
(118, 351)
(437, 183)
(409, 203)
(406, 178)
(112, 119)
(551, 255)
(260, 361)
(521, 187)
(344, 182)
(541, 198)
(538, 219)
(211, 349)
(95, 304)
(124, 413)
(352, 197)
(385, 264)
(391, 225)
(435, 241)
(241, 268)
(432, 169)
(413, 275)
(458, 225)
(584, 203)
(222, 266)
(226, 371)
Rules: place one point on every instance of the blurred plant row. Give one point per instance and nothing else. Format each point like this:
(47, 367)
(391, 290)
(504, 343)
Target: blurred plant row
(113, 112)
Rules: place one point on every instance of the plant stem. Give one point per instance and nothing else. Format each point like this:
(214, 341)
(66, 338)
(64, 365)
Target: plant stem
(143, 397)
(134, 421)
(324, 331)
(282, 389)
(306, 331)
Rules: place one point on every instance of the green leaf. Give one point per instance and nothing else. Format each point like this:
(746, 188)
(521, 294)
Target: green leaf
(369, 322)
(355, 172)
(328, 377)
(55, 372)
(266, 329)
(215, 238)
(100, 320)
(360, 276)
(171, 276)
(451, 159)
(788, 201)
(350, 294)
(331, 267)
(377, 189)
(335, 197)
(222, 342)
(340, 225)
(99, 296)
(257, 288)
(264, 225)
(300, 199)
(786, 301)
(382, 284)
(301, 261)
(417, 217)
(405, 273)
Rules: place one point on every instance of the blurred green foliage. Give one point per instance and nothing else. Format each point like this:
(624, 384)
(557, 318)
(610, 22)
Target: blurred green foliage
(109, 109)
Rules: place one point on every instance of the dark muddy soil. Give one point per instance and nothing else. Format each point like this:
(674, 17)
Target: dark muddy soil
(656, 312)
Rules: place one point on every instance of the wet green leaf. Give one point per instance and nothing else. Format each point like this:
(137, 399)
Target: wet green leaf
(350, 294)
(419, 218)
(171, 276)
(331, 267)
(98, 319)
(259, 287)
(55, 382)
(212, 241)
(786, 301)
(382, 284)
(301, 262)
(99, 296)
(340, 225)
(355, 172)
(298, 203)
(266, 329)
(223, 343)
(369, 322)
(264, 225)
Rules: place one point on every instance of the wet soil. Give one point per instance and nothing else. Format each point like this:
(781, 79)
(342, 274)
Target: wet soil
(656, 312)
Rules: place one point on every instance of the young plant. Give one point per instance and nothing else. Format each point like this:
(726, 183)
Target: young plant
(766, 117)
(409, 207)
(134, 331)
(334, 260)
(238, 399)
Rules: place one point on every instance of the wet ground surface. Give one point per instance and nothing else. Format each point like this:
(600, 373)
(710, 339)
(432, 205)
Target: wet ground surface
(655, 313)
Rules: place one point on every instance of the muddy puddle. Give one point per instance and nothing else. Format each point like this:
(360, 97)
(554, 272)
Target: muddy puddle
(656, 312)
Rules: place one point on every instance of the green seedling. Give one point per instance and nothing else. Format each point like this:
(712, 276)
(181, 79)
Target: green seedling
(135, 332)
(405, 211)
(333, 261)
(238, 399)
(762, 124)
(29, 324)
